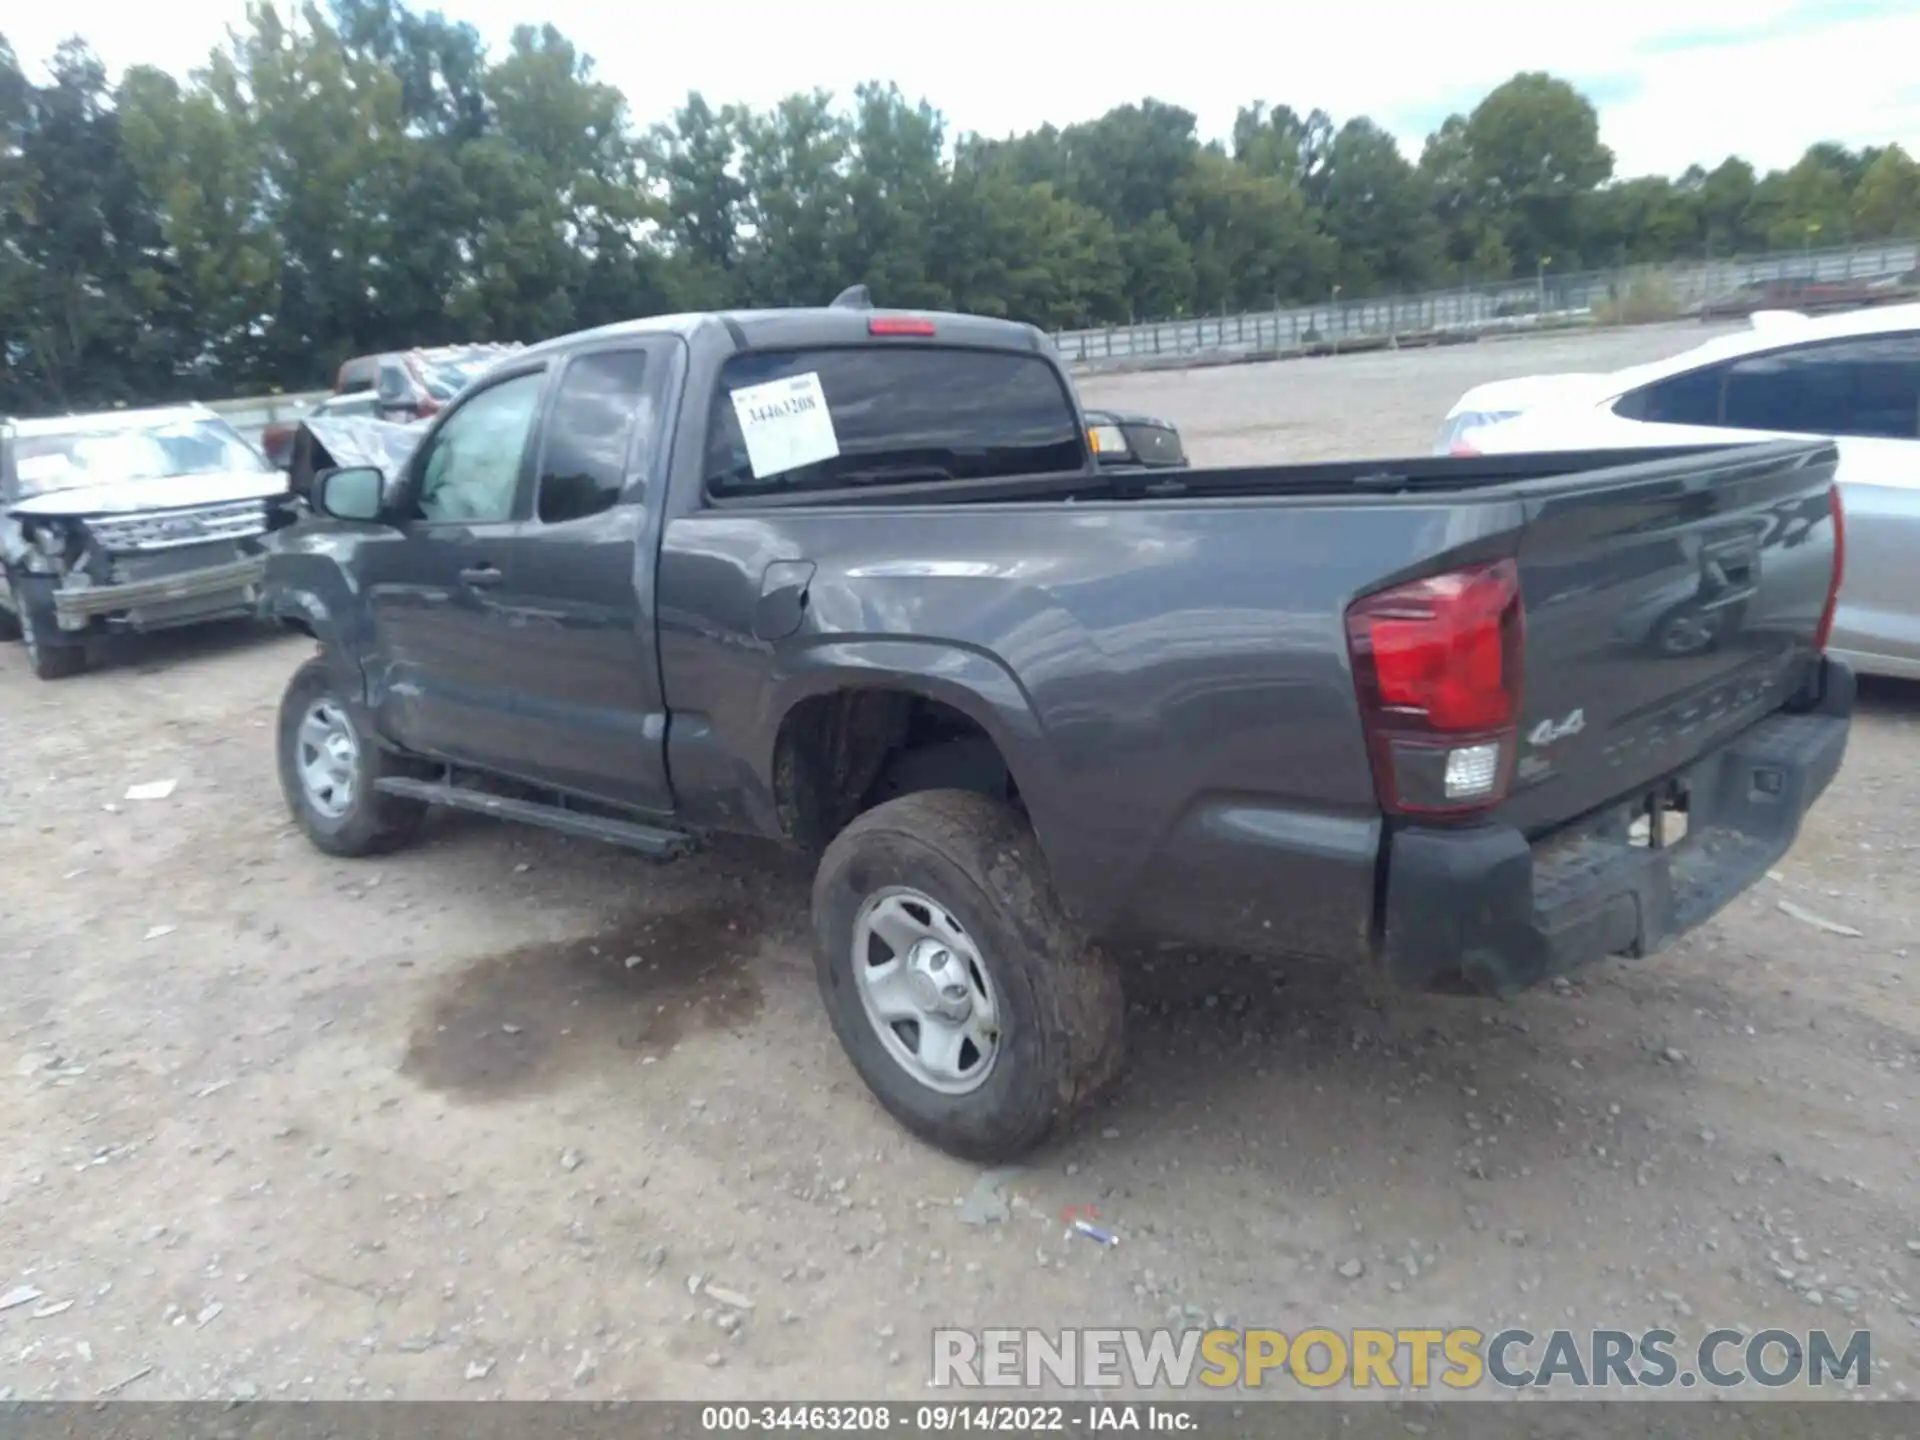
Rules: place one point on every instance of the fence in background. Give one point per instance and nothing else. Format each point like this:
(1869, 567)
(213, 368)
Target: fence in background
(1680, 289)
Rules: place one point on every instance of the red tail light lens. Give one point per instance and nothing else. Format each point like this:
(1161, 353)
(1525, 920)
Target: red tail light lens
(1437, 663)
(1825, 632)
(899, 325)
(1461, 450)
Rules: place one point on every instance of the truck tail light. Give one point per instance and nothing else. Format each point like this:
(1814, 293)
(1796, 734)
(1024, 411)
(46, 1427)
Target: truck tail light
(1437, 664)
(899, 325)
(1825, 632)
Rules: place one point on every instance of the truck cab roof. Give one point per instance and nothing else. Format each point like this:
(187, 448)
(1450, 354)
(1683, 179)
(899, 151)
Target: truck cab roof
(811, 326)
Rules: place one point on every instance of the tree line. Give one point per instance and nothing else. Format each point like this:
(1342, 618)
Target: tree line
(367, 177)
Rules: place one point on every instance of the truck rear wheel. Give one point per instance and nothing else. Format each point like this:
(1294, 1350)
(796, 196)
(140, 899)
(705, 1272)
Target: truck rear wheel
(329, 764)
(972, 1007)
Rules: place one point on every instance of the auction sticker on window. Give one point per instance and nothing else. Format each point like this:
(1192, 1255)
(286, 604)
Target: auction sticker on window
(786, 424)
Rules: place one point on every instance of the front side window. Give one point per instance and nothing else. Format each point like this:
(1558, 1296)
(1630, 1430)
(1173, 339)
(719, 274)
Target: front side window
(596, 413)
(472, 473)
(893, 415)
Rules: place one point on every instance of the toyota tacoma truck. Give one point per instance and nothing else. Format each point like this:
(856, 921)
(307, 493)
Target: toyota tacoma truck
(128, 520)
(854, 580)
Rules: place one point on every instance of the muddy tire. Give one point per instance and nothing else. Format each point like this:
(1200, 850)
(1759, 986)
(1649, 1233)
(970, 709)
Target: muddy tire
(933, 916)
(329, 761)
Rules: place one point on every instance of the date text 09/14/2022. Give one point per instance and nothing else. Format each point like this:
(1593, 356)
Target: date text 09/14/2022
(924, 1419)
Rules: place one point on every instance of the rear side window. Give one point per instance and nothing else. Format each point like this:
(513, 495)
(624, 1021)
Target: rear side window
(894, 415)
(1689, 399)
(596, 413)
(1864, 387)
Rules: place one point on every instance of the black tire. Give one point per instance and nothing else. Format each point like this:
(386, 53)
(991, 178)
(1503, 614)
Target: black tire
(370, 823)
(1063, 1013)
(9, 626)
(55, 659)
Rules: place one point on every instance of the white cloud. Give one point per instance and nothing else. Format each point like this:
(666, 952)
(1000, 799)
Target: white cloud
(1807, 69)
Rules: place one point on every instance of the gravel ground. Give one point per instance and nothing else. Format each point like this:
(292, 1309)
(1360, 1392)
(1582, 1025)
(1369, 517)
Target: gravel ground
(464, 1122)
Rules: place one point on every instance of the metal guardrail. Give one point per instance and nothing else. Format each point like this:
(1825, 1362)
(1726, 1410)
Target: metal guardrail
(1515, 304)
(253, 414)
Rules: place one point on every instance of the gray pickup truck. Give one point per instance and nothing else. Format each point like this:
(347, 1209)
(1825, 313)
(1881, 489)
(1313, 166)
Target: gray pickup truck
(854, 580)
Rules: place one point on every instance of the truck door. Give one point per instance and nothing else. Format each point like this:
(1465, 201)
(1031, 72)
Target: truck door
(440, 681)
(580, 582)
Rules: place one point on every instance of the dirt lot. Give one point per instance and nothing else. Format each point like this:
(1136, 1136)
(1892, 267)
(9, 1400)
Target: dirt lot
(462, 1122)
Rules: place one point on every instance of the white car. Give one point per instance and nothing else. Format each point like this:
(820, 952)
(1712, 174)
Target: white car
(1853, 377)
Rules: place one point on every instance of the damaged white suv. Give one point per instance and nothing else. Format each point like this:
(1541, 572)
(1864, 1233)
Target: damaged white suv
(128, 520)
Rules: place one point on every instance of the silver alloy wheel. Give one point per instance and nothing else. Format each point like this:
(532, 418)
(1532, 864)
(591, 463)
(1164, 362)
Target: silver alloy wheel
(925, 990)
(326, 752)
(1686, 633)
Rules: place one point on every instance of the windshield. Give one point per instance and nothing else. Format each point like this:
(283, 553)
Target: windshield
(112, 453)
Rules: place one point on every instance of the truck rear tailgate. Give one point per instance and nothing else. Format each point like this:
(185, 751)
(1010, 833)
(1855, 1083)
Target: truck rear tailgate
(1668, 607)
(1676, 719)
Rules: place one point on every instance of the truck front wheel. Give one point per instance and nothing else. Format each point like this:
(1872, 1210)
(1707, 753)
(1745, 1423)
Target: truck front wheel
(330, 762)
(967, 1000)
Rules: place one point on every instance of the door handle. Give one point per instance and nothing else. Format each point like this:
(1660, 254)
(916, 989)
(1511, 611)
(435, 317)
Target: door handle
(481, 575)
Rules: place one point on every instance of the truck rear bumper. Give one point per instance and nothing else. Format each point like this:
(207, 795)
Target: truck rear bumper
(1483, 909)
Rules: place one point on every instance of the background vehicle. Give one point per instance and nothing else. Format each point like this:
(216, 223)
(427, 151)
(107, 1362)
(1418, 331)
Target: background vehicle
(129, 520)
(413, 384)
(276, 439)
(854, 580)
(1129, 439)
(1854, 377)
(1809, 297)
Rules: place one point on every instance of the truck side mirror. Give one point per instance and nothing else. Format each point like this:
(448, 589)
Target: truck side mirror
(354, 493)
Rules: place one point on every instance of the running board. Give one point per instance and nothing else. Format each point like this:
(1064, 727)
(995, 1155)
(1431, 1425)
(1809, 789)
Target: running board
(647, 839)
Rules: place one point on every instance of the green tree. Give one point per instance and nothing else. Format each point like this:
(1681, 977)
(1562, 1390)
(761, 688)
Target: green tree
(694, 164)
(793, 163)
(1464, 206)
(1378, 211)
(1533, 150)
(1253, 238)
(1886, 202)
(92, 317)
(197, 160)
(895, 178)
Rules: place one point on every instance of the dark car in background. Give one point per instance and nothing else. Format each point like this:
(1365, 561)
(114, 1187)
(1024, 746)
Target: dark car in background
(1127, 440)
(1809, 297)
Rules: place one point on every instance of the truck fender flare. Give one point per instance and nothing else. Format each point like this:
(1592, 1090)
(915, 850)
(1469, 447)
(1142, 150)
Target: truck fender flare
(304, 610)
(969, 680)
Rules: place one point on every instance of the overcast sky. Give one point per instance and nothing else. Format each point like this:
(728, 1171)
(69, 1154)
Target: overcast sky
(1675, 82)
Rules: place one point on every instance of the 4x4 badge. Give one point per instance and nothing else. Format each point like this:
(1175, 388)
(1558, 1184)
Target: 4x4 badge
(1548, 731)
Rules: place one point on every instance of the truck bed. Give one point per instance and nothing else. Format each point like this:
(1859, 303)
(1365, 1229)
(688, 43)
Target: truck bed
(1408, 475)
